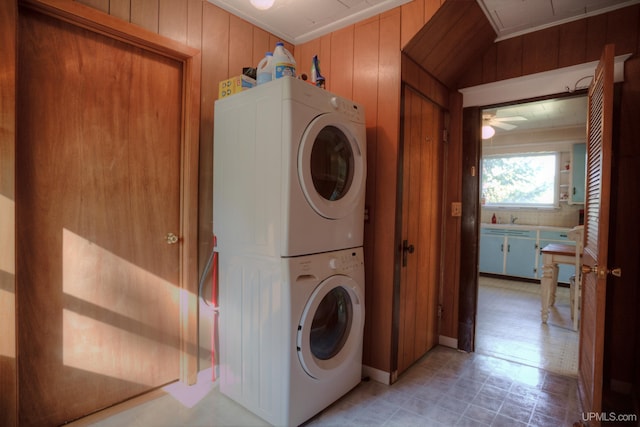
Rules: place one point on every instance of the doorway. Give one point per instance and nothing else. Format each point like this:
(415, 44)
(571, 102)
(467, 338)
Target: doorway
(531, 195)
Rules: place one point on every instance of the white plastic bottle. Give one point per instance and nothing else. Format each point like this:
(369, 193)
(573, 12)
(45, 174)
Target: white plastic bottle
(283, 62)
(264, 72)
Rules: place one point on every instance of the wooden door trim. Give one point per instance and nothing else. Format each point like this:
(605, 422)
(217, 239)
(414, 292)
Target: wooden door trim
(470, 228)
(99, 22)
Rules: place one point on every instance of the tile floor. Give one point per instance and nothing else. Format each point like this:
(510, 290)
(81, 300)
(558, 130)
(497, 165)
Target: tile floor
(445, 388)
(508, 326)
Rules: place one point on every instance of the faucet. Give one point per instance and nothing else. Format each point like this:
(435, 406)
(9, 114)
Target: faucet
(513, 219)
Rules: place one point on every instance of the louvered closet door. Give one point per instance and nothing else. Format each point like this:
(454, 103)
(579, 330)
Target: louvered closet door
(594, 285)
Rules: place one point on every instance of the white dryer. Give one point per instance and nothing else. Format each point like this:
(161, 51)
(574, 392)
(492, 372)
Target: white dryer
(291, 333)
(289, 170)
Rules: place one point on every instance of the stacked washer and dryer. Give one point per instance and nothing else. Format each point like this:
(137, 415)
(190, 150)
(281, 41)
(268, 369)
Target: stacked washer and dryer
(289, 187)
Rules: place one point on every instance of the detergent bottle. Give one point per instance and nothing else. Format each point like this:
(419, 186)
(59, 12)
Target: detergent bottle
(264, 72)
(283, 62)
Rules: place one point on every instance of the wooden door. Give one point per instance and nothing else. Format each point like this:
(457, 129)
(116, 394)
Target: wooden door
(421, 228)
(99, 184)
(596, 236)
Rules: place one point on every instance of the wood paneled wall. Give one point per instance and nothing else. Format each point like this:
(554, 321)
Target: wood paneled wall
(564, 45)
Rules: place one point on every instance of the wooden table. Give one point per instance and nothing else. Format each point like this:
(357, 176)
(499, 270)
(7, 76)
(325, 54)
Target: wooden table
(552, 255)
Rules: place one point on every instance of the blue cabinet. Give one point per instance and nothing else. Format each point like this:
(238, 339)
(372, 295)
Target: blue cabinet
(516, 251)
(578, 161)
(491, 253)
(508, 251)
(521, 257)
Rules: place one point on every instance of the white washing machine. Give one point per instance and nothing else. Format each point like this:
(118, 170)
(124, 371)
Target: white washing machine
(289, 170)
(291, 332)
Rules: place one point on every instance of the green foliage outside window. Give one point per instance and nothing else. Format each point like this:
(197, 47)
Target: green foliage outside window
(527, 180)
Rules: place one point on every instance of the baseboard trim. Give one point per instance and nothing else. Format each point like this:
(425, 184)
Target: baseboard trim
(448, 341)
(376, 375)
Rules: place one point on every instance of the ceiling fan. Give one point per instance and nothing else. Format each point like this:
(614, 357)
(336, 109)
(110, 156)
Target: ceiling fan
(489, 121)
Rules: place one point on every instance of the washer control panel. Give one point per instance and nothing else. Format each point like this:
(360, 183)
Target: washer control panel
(344, 262)
(324, 264)
(350, 109)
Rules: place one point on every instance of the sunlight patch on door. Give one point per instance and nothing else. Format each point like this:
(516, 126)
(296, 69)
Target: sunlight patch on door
(7, 320)
(119, 320)
(7, 235)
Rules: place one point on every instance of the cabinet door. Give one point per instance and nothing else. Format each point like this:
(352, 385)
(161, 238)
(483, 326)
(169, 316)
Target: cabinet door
(578, 159)
(492, 254)
(520, 257)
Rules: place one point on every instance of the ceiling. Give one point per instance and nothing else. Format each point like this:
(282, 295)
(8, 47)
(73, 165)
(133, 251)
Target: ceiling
(298, 21)
(559, 113)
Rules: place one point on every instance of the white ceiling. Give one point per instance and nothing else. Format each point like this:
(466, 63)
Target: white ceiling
(298, 21)
(559, 113)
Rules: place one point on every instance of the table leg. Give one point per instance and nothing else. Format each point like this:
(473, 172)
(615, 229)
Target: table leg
(545, 290)
(554, 285)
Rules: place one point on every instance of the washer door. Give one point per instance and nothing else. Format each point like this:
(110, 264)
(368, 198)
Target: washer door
(330, 329)
(331, 166)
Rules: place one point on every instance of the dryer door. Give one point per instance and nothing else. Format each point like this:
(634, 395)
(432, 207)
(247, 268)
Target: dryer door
(332, 165)
(331, 326)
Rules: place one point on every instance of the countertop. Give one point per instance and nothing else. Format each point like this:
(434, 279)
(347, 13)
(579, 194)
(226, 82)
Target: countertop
(525, 227)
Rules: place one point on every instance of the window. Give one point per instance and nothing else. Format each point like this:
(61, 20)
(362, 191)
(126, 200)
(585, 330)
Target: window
(520, 180)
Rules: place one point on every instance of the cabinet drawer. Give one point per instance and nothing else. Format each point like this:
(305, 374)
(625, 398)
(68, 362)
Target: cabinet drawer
(530, 234)
(553, 235)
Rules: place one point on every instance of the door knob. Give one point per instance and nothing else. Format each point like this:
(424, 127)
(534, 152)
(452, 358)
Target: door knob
(406, 249)
(587, 269)
(171, 239)
(601, 272)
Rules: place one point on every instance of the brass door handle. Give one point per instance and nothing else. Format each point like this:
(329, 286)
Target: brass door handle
(587, 269)
(171, 239)
(601, 272)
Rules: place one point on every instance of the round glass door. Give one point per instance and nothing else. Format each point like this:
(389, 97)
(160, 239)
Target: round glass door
(331, 165)
(331, 326)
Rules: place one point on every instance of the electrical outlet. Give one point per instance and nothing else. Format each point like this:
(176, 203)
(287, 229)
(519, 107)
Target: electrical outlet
(456, 209)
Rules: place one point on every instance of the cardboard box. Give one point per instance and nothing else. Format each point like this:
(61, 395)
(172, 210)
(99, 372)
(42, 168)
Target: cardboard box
(234, 85)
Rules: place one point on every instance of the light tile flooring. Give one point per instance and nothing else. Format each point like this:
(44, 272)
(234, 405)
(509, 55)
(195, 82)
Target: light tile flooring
(508, 326)
(445, 388)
